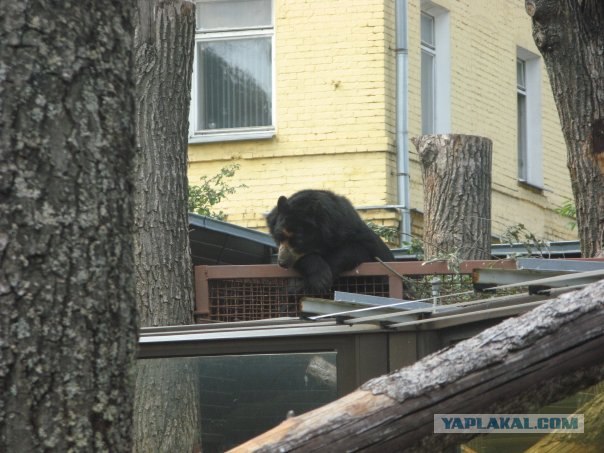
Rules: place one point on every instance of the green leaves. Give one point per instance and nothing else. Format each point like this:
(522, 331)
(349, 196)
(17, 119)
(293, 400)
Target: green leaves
(569, 210)
(212, 191)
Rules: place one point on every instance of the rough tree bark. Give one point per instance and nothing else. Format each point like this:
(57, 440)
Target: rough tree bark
(166, 403)
(514, 367)
(456, 170)
(67, 308)
(569, 36)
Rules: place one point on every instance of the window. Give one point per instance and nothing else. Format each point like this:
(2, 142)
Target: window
(528, 91)
(428, 70)
(232, 87)
(435, 69)
(522, 146)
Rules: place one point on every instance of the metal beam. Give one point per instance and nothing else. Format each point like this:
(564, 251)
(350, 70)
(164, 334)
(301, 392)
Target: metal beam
(559, 265)
(560, 281)
(251, 333)
(464, 318)
(368, 300)
(489, 278)
(334, 308)
(560, 248)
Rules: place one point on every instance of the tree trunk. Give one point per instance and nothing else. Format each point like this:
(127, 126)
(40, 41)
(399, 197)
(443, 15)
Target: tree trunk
(166, 404)
(514, 367)
(456, 170)
(569, 36)
(67, 310)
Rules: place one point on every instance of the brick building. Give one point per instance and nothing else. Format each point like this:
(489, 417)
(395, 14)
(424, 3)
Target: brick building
(326, 94)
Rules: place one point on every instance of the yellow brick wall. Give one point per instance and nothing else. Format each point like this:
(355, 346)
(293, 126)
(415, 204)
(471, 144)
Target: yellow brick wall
(360, 176)
(335, 86)
(484, 37)
(335, 114)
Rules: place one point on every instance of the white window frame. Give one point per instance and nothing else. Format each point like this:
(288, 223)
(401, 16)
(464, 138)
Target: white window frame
(246, 133)
(530, 150)
(441, 53)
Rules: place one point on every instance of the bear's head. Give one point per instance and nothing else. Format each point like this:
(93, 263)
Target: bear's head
(294, 230)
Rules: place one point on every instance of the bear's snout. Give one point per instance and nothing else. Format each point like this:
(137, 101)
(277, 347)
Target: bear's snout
(287, 257)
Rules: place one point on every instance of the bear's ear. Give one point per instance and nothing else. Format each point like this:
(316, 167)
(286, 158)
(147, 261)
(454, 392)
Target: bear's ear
(282, 205)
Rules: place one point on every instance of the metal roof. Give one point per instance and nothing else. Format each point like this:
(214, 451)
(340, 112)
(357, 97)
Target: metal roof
(559, 249)
(279, 327)
(216, 242)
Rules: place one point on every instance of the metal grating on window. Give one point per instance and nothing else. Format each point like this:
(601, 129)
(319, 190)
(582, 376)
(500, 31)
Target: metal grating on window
(246, 299)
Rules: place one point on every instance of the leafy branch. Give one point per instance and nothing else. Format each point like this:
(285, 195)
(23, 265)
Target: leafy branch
(568, 210)
(389, 234)
(212, 191)
(519, 234)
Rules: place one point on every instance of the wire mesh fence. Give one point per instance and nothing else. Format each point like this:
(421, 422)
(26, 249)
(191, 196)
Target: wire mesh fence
(246, 299)
(246, 293)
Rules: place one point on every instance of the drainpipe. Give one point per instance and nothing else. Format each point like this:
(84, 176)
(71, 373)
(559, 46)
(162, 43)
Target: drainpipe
(402, 132)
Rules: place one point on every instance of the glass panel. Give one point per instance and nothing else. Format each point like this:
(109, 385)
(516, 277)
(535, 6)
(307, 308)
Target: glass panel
(522, 143)
(241, 396)
(229, 14)
(521, 74)
(235, 86)
(246, 395)
(427, 30)
(428, 95)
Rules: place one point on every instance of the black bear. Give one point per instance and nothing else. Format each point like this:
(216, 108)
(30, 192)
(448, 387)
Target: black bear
(320, 235)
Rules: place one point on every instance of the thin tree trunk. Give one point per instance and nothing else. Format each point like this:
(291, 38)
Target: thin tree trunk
(456, 170)
(67, 309)
(569, 36)
(514, 367)
(166, 404)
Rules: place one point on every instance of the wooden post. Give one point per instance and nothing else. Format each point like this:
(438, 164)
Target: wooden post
(456, 170)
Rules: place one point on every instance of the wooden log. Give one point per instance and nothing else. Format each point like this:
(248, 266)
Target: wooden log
(456, 171)
(515, 367)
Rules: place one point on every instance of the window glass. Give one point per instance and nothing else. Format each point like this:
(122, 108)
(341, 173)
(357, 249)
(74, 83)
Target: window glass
(221, 14)
(522, 120)
(428, 73)
(242, 396)
(530, 142)
(427, 30)
(246, 395)
(233, 71)
(521, 74)
(427, 92)
(522, 145)
(235, 83)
